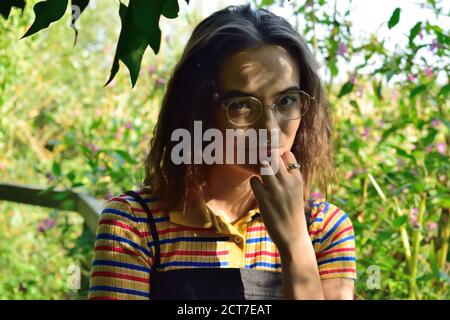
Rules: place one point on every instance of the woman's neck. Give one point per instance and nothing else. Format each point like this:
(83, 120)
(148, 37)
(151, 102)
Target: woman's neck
(228, 193)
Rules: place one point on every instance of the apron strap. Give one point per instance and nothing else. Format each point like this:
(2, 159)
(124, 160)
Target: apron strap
(153, 230)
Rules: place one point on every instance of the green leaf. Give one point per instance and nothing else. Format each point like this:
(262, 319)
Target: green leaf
(170, 9)
(125, 156)
(46, 12)
(131, 45)
(399, 221)
(414, 32)
(346, 89)
(395, 17)
(419, 89)
(6, 5)
(56, 169)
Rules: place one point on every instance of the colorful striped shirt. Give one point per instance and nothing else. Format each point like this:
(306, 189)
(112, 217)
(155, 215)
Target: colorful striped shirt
(124, 248)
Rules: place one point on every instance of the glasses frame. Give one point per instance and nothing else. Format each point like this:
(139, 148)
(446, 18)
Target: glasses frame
(271, 107)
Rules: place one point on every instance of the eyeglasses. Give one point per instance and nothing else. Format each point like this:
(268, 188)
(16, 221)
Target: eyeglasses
(244, 111)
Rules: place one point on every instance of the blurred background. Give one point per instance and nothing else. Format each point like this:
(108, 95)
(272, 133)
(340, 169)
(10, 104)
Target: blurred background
(384, 64)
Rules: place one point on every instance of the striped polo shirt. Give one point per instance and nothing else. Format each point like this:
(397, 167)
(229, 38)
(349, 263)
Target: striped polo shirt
(124, 247)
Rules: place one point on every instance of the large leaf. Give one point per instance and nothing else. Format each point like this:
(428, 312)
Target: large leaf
(414, 32)
(146, 15)
(6, 5)
(346, 89)
(78, 7)
(395, 18)
(46, 12)
(131, 45)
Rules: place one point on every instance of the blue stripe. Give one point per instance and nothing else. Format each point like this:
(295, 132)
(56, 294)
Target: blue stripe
(337, 259)
(194, 264)
(132, 217)
(108, 236)
(339, 241)
(121, 290)
(317, 220)
(263, 264)
(120, 265)
(337, 224)
(256, 240)
(190, 239)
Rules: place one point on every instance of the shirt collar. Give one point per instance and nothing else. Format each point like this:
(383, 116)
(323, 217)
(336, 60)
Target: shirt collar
(201, 216)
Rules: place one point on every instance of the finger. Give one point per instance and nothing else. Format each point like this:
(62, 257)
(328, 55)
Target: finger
(258, 189)
(288, 157)
(268, 176)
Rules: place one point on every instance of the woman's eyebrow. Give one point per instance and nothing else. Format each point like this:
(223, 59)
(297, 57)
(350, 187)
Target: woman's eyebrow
(238, 93)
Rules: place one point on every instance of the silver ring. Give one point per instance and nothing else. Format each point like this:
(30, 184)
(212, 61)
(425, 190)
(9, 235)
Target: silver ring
(291, 166)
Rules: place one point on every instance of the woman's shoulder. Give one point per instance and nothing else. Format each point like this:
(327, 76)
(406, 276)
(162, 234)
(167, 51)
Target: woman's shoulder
(328, 221)
(125, 205)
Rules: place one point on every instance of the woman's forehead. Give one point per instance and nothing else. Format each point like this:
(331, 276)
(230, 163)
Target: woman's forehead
(263, 69)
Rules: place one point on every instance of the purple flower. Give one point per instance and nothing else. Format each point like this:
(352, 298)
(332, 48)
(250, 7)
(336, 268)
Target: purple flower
(160, 82)
(46, 224)
(352, 78)
(391, 187)
(421, 33)
(92, 147)
(413, 217)
(435, 122)
(441, 178)
(129, 125)
(317, 195)
(381, 123)
(441, 148)
(400, 162)
(411, 77)
(342, 49)
(152, 69)
(428, 72)
(434, 45)
(432, 226)
(365, 132)
(429, 148)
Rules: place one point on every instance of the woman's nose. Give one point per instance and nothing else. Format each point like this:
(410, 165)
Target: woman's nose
(268, 119)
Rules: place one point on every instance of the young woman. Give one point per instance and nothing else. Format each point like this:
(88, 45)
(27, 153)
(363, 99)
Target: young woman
(223, 230)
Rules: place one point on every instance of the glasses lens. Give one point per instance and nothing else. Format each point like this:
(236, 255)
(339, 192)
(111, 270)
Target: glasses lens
(243, 111)
(292, 105)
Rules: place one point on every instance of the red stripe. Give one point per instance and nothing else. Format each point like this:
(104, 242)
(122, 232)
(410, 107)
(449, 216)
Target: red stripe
(320, 255)
(337, 270)
(118, 276)
(330, 218)
(124, 226)
(152, 210)
(116, 249)
(260, 253)
(122, 250)
(117, 199)
(341, 232)
(103, 298)
(194, 253)
(257, 228)
(315, 232)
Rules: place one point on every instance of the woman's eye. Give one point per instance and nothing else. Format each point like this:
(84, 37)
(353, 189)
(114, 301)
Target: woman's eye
(287, 101)
(236, 106)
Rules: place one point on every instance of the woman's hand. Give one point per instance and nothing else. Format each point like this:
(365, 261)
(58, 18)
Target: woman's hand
(280, 199)
(281, 204)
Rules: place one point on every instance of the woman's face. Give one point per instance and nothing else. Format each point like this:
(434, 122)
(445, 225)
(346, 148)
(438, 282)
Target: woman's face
(265, 73)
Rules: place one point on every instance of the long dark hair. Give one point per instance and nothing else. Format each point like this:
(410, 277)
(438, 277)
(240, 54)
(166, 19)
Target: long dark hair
(190, 91)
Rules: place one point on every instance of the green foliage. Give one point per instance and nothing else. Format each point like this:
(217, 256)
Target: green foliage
(60, 127)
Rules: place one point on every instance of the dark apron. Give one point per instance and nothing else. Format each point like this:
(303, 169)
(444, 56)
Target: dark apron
(208, 283)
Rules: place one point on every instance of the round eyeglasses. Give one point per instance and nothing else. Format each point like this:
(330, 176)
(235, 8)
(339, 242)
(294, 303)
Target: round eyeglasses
(244, 111)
